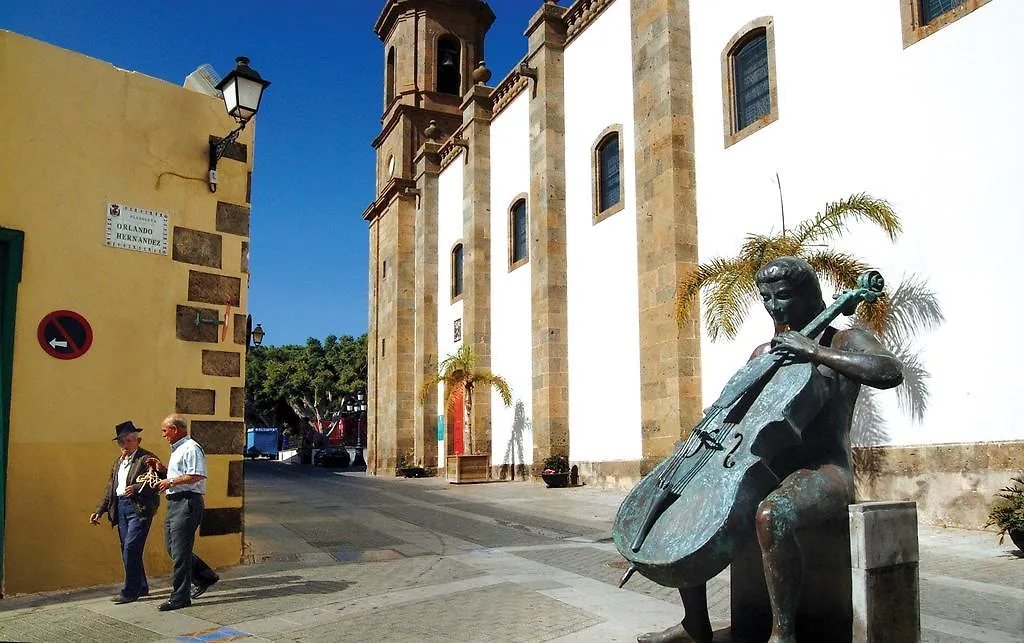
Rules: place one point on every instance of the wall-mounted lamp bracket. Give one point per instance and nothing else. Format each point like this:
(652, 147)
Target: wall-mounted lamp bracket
(213, 322)
(218, 149)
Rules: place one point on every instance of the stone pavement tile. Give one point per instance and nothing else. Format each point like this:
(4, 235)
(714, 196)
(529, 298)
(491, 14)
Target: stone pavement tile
(500, 613)
(993, 612)
(72, 624)
(943, 630)
(232, 601)
(341, 611)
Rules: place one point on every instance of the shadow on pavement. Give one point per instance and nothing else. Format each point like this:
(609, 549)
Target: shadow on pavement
(258, 589)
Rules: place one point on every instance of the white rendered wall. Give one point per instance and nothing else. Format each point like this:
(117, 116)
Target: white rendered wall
(511, 335)
(604, 326)
(449, 230)
(935, 129)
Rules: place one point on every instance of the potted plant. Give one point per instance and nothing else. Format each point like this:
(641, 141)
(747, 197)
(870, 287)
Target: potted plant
(556, 470)
(1007, 513)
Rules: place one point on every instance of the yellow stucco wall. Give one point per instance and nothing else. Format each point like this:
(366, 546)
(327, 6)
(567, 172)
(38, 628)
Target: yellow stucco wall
(78, 134)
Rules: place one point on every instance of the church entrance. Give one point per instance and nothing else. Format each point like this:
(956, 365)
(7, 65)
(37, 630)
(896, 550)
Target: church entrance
(12, 243)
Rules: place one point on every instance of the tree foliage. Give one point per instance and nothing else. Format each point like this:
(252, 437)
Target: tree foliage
(302, 388)
(727, 283)
(460, 374)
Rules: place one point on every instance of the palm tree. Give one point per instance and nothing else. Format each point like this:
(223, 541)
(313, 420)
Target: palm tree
(728, 283)
(459, 373)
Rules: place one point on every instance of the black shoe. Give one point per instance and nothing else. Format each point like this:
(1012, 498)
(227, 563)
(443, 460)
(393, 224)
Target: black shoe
(168, 606)
(144, 593)
(121, 600)
(201, 587)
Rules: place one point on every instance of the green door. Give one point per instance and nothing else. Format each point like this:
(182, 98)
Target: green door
(12, 243)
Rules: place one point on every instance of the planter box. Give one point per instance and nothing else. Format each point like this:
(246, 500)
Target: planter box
(556, 479)
(467, 468)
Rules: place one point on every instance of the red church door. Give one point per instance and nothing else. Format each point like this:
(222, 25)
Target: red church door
(457, 423)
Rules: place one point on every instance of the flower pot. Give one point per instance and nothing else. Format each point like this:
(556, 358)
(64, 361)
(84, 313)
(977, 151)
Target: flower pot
(556, 479)
(1017, 536)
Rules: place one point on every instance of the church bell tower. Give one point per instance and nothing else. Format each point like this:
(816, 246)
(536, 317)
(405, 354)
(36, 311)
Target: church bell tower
(430, 50)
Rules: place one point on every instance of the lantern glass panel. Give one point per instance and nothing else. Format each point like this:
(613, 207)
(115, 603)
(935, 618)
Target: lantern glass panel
(231, 96)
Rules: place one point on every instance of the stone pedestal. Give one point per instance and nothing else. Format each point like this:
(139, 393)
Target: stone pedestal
(860, 580)
(884, 553)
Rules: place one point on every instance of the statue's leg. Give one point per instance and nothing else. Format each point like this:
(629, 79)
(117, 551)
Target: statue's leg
(805, 497)
(696, 624)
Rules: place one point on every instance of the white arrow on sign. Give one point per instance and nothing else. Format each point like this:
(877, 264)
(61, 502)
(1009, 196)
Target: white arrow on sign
(54, 343)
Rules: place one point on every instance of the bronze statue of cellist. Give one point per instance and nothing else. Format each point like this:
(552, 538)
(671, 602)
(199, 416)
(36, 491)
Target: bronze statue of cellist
(816, 475)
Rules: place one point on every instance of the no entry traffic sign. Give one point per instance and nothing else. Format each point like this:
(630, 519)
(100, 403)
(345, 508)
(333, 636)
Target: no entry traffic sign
(65, 334)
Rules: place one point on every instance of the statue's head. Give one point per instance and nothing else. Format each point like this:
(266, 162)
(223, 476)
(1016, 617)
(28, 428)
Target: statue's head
(790, 291)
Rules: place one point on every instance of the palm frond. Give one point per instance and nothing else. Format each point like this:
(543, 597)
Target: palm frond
(727, 303)
(913, 308)
(704, 277)
(833, 221)
(912, 395)
(496, 382)
(869, 427)
(837, 268)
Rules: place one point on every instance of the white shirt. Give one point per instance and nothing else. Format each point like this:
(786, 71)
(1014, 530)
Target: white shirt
(187, 457)
(122, 474)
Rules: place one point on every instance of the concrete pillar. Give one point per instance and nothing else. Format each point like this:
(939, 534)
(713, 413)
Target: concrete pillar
(427, 164)
(548, 263)
(476, 245)
(666, 220)
(884, 558)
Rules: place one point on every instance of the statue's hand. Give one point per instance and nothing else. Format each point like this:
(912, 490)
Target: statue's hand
(793, 344)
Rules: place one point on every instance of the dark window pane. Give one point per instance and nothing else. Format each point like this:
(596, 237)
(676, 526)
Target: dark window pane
(449, 78)
(932, 9)
(750, 66)
(457, 271)
(519, 231)
(608, 173)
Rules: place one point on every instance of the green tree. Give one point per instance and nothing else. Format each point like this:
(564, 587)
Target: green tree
(303, 387)
(727, 284)
(459, 373)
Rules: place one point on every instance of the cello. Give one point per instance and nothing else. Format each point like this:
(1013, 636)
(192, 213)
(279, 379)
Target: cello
(693, 513)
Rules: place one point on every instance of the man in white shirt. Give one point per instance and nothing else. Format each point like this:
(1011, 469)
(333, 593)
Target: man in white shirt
(184, 483)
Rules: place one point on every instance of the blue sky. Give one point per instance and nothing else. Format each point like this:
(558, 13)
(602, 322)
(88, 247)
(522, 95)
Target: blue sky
(314, 165)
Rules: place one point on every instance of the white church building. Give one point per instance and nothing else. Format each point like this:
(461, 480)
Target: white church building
(546, 220)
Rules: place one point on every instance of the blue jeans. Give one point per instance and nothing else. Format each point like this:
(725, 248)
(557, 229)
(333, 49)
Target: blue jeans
(184, 514)
(132, 531)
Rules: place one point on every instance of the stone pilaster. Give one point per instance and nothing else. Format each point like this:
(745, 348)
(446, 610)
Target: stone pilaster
(548, 264)
(476, 209)
(666, 221)
(425, 424)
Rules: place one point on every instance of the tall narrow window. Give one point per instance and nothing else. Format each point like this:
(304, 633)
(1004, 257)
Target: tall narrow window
(749, 88)
(389, 79)
(607, 173)
(922, 18)
(750, 66)
(518, 227)
(457, 271)
(449, 76)
(932, 9)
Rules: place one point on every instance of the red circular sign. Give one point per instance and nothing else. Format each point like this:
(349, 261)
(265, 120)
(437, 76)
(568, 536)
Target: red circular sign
(65, 334)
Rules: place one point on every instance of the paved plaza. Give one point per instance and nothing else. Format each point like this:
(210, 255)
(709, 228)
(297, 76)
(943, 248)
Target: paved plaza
(338, 556)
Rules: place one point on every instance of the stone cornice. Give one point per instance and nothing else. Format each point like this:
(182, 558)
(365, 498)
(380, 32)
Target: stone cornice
(395, 188)
(507, 89)
(452, 148)
(581, 14)
(394, 8)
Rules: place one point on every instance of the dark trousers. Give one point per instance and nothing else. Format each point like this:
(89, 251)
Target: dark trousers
(133, 531)
(184, 513)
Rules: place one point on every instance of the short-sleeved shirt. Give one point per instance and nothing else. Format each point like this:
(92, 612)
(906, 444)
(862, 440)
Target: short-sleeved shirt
(187, 457)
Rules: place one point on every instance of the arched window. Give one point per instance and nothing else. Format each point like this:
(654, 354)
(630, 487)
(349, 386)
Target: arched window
(751, 94)
(922, 18)
(449, 75)
(389, 79)
(607, 161)
(932, 9)
(518, 234)
(457, 271)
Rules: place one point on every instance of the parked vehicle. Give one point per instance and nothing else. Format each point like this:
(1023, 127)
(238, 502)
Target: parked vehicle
(332, 457)
(261, 442)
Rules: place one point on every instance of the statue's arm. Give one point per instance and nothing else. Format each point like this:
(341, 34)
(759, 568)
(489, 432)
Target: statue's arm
(858, 355)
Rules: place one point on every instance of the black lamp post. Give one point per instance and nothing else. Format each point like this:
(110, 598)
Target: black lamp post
(242, 88)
